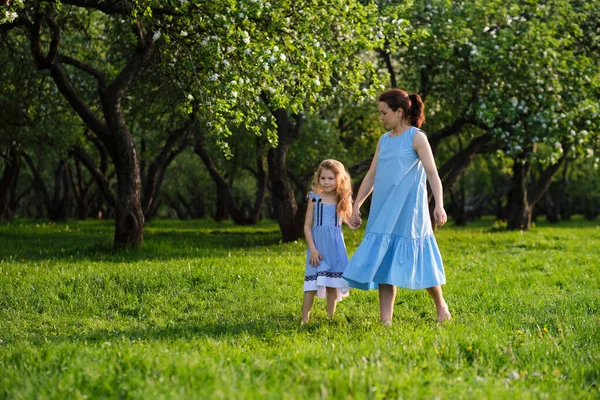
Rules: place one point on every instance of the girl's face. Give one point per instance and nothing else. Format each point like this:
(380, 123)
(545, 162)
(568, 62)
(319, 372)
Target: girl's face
(390, 119)
(327, 181)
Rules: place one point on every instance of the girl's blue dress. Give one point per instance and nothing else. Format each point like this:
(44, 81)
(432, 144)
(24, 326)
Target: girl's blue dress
(399, 247)
(329, 240)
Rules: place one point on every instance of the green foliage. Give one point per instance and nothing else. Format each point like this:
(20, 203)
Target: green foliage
(233, 55)
(210, 310)
(34, 116)
(523, 70)
(583, 190)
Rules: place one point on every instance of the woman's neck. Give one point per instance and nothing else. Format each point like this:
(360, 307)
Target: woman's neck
(400, 129)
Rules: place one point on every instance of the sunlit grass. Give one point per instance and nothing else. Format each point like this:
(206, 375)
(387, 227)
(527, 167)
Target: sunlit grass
(208, 310)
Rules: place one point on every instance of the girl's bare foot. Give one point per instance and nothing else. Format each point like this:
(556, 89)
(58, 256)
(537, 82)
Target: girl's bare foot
(443, 314)
(386, 322)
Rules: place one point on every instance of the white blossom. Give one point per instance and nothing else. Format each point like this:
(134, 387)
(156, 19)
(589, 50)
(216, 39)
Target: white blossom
(156, 35)
(213, 77)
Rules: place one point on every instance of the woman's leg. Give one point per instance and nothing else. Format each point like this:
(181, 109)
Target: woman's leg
(440, 304)
(387, 295)
(331, 301)
(309, 298)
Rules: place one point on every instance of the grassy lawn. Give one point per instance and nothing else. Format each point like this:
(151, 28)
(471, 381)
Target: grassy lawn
(210, 310)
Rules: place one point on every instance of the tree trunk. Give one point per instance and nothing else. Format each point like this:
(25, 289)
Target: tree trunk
(554, 207)
(111, 129)
(80, 190)
(156, 171)
(458, 210)
(518, 209)
(12, 166)
(129, 218)
(523, 198)
(226, 203)
(220, 206)
(97, 172)
(282, 193)
(59, 206)
(43, 204)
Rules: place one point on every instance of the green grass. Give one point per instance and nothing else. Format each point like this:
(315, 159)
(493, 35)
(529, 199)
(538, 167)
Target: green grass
(210, 310)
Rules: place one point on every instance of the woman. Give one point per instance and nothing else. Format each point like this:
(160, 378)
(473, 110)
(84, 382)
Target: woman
(399, 248)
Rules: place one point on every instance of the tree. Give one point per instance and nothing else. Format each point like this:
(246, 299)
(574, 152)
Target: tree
(287, 56)
(510, 76)
(228, 55)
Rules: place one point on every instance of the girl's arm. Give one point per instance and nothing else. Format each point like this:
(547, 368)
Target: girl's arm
(315, 256)
(366, 188)
(423, 149)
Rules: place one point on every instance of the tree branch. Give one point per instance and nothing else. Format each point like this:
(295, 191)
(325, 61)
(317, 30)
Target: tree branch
(138, 61)
(99, 75)
(98, 175)
(388, 64)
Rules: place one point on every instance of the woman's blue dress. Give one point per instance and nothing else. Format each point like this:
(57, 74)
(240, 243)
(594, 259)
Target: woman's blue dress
(329, 240)
(398, 247)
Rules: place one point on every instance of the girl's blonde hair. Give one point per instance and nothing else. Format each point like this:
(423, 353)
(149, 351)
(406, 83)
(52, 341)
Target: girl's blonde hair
(344, 186)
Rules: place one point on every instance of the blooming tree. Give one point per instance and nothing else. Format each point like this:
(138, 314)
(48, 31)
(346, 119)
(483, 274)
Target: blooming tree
(512, 76)
(245, 62)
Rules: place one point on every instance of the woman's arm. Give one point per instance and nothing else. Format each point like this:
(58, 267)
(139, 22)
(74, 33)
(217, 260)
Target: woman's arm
(423, 149)
(366, 188)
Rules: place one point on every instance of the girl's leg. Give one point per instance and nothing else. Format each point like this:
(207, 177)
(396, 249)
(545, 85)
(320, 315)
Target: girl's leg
(387, 295)
(440, 304)
(331, 301)
(309, 298)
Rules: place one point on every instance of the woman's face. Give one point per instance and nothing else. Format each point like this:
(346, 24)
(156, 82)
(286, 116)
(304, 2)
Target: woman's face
(327, 181)
(390, 118)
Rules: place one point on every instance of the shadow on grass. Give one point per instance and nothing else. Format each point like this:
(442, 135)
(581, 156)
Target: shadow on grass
(261, 329)
(92, 241)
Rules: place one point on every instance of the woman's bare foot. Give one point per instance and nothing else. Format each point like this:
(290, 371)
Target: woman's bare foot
(386, 322)
(443, 314)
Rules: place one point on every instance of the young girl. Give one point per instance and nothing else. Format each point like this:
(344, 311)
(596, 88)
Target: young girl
(329, 203)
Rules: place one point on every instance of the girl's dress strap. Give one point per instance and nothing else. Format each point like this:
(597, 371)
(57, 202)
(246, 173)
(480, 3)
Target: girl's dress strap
(312, 197)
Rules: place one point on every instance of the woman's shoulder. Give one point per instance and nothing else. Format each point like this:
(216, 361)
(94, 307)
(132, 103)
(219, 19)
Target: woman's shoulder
(417, 132)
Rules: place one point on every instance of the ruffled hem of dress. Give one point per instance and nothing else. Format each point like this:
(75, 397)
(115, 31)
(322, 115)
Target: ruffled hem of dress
(411, 263)
(321, 283)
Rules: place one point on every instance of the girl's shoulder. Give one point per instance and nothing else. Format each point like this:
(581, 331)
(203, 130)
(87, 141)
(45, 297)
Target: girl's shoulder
(312, 196)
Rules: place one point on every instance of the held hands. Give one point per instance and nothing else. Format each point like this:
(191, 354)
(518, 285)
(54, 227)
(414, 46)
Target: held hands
(439, 216)
(315, 257)
(355, 220)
